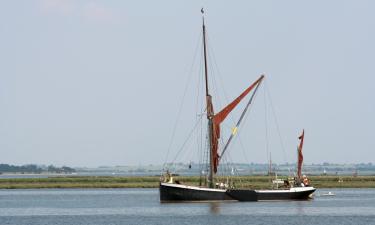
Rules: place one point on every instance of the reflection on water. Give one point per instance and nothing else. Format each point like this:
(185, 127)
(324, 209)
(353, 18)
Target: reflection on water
(300, 208)
(142, 206)
(215, 208)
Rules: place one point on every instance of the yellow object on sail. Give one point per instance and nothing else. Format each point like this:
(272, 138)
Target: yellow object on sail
(234, 130)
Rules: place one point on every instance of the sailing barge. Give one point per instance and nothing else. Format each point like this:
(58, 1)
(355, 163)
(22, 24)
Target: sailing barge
(172, 191)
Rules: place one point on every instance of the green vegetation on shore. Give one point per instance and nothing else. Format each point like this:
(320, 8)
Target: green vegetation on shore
(255, 182)
(35, 169)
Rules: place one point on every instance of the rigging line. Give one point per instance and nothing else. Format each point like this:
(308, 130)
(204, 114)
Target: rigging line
(215, 68)
(211, 52)
(241, 117)
(214, 83)
(185, 153)
(231, 167)
(243, 148)
(188, 154)
(198, 127)
(215, 89)
(224, 167)
(183, 145)
(245, 119)
(203, 170)
(200, 79)
(241, 144)
(276, 121)
(199, 142)
(207, 153)
(219, 75)
(266, 128)
(225, 170)
(182, 102)
(199, 111)
(235, 172)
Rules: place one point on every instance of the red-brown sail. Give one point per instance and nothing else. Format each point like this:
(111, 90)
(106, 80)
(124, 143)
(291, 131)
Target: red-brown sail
(300, 155)
(220, 116)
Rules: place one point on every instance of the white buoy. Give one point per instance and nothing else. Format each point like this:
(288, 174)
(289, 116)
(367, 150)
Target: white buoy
(328, 194)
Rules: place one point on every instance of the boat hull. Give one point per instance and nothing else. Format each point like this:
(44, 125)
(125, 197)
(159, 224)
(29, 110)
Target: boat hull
(298, 193)
(177, 193)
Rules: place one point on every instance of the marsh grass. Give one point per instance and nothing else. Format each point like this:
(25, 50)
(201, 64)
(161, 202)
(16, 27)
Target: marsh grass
(256, 182)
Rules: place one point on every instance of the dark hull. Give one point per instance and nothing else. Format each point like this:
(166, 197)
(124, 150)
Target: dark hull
(170, 193)
(177, 193)
(243, 195)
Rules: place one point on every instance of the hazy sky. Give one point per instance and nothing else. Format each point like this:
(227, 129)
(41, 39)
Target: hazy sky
(90, 83)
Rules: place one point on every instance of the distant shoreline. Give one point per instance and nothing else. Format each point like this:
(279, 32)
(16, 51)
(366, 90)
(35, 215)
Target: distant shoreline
(255, 182)
(36, 174)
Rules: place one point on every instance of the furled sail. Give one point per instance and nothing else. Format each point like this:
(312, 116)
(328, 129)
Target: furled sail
(218, 118)
(300, 155)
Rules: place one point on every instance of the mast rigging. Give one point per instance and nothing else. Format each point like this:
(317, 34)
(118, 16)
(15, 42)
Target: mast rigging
(214, 120)
(210, 110)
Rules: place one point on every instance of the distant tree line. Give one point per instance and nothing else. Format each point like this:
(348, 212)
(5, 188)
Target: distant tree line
(63, 169)
(31, 168)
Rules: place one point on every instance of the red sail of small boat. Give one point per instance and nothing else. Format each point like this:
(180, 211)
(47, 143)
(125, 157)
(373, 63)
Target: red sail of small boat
(300, 155)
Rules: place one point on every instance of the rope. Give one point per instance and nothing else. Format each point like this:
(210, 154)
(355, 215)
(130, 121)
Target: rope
(243, 148)
(182, 102)
(188, 138)
(268, 157)
(276, 122)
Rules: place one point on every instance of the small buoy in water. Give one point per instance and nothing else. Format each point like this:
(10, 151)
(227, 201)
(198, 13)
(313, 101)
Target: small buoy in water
(189, 166)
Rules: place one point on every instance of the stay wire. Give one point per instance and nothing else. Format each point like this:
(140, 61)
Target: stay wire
(268, 157)
(198, 110)
(220, 77)
(276, 121)
(244, 120)
(187, 139)
(182, 101)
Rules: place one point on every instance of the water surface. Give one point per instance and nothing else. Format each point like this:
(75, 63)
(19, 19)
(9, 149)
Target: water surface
(142, 206)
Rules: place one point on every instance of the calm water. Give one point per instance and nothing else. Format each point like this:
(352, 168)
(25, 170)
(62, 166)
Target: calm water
(141, 206)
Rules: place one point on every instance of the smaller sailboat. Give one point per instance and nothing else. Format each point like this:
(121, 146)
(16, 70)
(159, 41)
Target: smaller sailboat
(172, 190)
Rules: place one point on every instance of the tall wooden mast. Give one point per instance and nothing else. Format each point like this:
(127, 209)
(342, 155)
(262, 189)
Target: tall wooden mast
(209, 108)
(214, 120)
